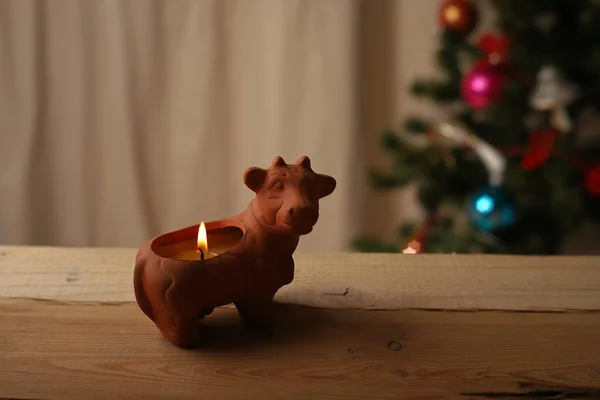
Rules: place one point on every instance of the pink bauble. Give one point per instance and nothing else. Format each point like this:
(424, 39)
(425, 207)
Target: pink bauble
(482, 85)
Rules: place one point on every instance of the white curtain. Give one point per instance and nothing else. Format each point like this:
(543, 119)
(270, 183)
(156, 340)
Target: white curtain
(122, 119)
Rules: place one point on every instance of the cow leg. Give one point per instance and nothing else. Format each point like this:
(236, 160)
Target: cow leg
(185, 333)
(256, 312)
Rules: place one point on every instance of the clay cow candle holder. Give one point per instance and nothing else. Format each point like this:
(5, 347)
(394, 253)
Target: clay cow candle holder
(179, 279)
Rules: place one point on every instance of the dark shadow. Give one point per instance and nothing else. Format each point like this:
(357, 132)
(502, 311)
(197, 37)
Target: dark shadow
(224, 330)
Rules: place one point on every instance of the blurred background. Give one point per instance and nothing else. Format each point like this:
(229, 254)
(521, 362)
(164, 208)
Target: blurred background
(124, 119)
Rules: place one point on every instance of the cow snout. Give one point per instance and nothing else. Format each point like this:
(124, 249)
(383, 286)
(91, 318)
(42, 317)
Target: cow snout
(301, 213)
(302, 218)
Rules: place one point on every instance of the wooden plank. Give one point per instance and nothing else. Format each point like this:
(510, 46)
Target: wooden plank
(63, 350)
(335, 281)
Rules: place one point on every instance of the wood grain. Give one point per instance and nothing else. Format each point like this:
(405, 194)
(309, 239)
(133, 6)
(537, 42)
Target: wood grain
(69, 329)
(333, 281)
(63, 350)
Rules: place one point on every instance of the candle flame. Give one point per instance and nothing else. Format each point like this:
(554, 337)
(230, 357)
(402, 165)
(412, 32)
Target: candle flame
(202, 239)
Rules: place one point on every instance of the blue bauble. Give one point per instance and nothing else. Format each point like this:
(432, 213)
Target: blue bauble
(491, 209)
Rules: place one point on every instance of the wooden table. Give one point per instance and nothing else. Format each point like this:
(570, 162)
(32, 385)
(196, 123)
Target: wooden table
(351, 326)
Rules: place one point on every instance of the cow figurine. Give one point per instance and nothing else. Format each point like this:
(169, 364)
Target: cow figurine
(176, 294)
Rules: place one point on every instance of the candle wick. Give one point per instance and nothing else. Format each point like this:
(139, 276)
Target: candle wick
(201, 254)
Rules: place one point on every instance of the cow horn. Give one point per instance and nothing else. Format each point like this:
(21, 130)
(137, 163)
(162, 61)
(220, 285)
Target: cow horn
(278, 162)
(304, 161)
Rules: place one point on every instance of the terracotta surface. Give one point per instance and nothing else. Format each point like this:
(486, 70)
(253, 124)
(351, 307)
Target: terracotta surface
(177, 294)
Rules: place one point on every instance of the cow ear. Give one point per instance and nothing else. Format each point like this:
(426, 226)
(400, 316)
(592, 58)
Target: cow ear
(278, 162)
(326, 185)
(304, 162)
(254, 178)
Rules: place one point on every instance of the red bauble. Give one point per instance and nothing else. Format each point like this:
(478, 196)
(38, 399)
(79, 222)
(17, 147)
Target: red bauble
(540, 148)
(495, 46)
(458, 15)
(483, 85)
(592, 181)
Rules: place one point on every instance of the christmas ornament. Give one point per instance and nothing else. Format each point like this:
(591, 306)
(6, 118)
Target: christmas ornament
(592, 181)
(492, 158)
(495, 47)
(540, 148)
(413, 247)
(553, 93)
(484, 84)
(459, 16)
(417, 241)
(491, 209)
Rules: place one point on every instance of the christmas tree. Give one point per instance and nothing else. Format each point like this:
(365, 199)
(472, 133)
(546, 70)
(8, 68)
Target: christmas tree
(516, 166)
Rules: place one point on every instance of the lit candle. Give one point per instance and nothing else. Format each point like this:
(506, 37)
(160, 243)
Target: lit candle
(202, 243)
(193, 249)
